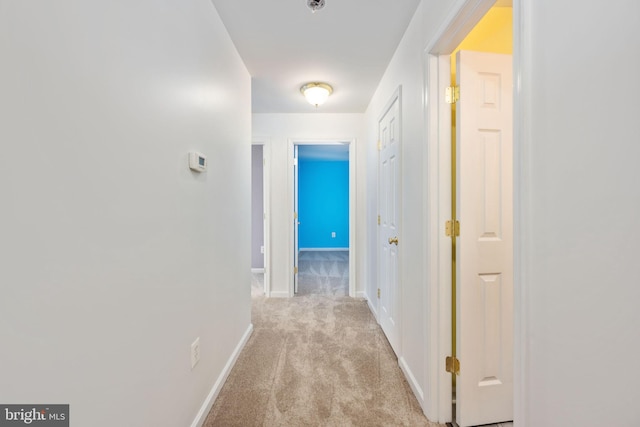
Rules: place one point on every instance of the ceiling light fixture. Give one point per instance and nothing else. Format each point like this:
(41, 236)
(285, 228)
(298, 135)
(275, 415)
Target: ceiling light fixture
(316, 93)
(315, 5)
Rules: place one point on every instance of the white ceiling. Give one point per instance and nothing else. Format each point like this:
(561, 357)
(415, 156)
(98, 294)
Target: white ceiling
(348, 44)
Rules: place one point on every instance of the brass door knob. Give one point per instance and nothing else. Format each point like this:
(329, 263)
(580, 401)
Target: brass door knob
(393, 240)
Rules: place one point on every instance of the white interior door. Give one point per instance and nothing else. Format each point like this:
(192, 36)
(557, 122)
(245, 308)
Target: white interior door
(296, 220)
(484, 250)
(389, 173)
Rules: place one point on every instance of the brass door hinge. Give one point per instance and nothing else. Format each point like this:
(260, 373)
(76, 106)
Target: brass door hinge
(452, 228)
(378, 292)
(378, 219)
(379, 146)
(452, 94)
(295, 270)
(295, 215)
(452, 365)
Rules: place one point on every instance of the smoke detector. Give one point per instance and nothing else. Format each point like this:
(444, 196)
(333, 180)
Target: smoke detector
(315, 5)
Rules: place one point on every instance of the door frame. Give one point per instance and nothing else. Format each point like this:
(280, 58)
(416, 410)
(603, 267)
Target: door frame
(462, 18)
(266, 206)
(351, 142)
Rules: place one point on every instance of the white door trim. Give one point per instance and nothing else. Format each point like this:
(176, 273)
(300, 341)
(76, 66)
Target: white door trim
(522, 205)
(352, 204)
(296, 219)
(437, 269)
(266, 205)
(464, 15)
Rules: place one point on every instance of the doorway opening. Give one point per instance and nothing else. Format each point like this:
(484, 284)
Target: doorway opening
(323, 223)
(323, 219)
(456, 295)
(481, 150)
(260, 243)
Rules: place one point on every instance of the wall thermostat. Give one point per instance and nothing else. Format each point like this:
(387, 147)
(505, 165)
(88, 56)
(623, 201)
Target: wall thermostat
(197, 161)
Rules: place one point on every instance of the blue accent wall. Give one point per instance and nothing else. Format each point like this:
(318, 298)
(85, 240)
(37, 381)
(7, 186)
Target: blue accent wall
(323, 203)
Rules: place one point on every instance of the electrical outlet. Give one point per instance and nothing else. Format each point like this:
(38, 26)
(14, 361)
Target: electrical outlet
(261, 249)
(333, 234)
(195, 352)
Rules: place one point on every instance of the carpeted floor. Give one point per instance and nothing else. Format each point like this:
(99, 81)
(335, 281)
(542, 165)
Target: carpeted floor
(315, 360)
(323, 272)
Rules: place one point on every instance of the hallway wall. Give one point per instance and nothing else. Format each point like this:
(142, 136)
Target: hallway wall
(405, 70)
(277, 130)
(114, 255)
(580, 202)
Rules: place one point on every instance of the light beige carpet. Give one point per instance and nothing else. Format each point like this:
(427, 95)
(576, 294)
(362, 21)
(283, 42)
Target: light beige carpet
(315, 360)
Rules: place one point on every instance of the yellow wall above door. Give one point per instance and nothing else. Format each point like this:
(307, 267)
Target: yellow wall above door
(494, 33)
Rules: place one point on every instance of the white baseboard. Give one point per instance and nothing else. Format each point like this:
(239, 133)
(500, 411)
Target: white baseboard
(279, 294)
(372, 307)
(322, 249)
(361, 294)
(215, 390)
(257, 270)
(411, 379)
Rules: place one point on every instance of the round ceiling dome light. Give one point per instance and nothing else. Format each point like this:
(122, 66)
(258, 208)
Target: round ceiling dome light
(316, 93)
(315, 5)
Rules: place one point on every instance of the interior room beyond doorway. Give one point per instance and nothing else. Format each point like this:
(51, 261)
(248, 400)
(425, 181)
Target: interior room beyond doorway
(322, 219)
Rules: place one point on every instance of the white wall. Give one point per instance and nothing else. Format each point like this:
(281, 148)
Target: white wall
(278, 130)
(580, 203)
(405, 70)
(114, 255)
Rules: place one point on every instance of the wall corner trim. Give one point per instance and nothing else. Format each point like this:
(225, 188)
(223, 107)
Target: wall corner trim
(202, 414)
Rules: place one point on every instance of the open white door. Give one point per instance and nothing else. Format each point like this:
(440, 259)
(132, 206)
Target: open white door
(389, 173)
(296, 220)
(484, 250)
